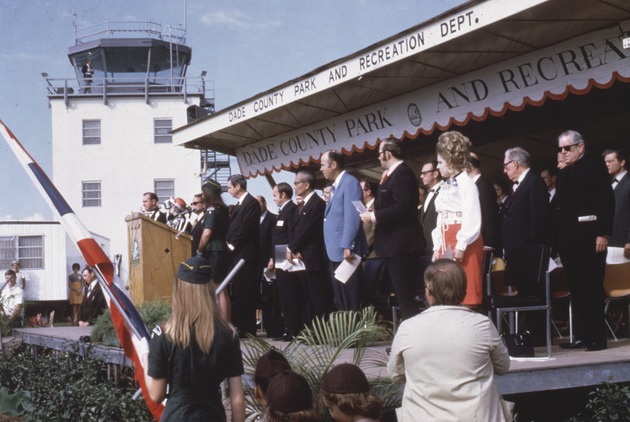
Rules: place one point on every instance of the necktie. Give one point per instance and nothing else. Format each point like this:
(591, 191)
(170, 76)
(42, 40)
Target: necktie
(384, 177)
(300, 207)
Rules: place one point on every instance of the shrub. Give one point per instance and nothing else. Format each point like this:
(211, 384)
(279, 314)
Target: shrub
(610, 402)
(152, 313)
(64, 386)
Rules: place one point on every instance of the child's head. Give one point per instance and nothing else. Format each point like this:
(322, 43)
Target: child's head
(267, 366)
(289, 399)
(346, 392)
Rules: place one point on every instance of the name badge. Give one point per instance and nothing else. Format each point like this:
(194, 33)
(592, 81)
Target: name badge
(280, 223)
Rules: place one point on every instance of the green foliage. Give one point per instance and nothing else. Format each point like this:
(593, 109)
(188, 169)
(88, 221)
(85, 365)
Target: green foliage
(15, 404)
(104, 331)
(317, 349)
(152, 313)
(8, 324)
(64, 386)
(610, 402)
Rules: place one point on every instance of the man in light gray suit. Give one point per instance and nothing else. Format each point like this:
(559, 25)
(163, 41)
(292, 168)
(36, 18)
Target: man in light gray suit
(617, 169)
(343, 233)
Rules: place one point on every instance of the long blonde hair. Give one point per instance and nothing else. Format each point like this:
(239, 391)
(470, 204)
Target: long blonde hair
(194, 307)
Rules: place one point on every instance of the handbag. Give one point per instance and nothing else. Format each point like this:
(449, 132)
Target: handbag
(520, 344)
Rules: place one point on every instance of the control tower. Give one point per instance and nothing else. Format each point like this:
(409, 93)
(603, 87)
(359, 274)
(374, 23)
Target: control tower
(111, 127)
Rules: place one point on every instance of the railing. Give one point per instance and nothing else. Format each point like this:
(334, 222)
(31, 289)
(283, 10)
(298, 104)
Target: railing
(131, 86)
(113, 29)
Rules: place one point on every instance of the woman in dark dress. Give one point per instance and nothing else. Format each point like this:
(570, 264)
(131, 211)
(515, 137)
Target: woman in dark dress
(212, 244)
(194, 352)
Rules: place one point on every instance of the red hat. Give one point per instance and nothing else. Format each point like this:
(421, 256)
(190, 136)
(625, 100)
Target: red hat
(180, 204)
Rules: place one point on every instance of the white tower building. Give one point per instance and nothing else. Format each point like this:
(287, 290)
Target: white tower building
(111, 131)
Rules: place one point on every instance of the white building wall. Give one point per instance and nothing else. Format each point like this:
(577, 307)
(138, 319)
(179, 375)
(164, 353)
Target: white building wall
(126, 162)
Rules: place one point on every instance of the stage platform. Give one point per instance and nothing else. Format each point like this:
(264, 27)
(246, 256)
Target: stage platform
(565, 369)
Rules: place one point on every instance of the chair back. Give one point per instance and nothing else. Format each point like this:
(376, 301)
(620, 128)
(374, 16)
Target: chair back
(526, 268)
(617, 280)
(559, 284)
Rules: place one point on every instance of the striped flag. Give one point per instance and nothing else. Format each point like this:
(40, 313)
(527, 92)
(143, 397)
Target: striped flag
(132, 333)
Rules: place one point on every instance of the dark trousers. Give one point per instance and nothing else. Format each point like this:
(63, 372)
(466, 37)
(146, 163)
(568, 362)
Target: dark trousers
(347, 296)
(314, 295)
(402, 272)
(291, 301)
(585, 273)
(245, 297)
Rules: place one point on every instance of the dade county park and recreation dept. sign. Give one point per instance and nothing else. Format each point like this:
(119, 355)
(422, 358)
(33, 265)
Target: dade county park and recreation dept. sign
(594, 58)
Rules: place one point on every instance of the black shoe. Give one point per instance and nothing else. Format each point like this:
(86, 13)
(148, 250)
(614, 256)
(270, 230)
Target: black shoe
(577, 344)
(595, 346)
(286, 337)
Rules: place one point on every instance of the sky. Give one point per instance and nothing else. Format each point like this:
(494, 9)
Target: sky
(246, 47)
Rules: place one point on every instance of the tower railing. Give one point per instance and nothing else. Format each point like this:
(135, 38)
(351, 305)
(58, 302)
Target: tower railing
(147, 87)
(115, 29)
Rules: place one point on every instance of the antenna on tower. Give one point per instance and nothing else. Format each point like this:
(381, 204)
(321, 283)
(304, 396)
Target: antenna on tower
(185, 17)
(74, 24)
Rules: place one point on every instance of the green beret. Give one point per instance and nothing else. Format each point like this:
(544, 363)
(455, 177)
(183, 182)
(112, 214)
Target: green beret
(195, 270)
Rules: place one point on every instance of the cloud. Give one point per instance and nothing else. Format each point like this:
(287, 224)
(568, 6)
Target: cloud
(235, 19)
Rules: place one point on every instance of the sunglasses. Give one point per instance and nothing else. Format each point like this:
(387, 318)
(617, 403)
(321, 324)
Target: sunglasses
(567, 148)
(422, 173)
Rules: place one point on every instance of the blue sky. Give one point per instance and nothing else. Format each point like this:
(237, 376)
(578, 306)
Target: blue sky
(246, 47)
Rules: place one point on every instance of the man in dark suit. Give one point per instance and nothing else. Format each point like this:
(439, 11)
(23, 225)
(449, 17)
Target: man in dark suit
(549, 176)
(94, 302)
(617, 169)
(525, 221)
(270, 305)
(584, 207)
(307, 245)
(151, 206)
(488, 202)
(398, 236)
(288, 283)
(242, 242)
(343, 233)
(526, 216)
(427, 216)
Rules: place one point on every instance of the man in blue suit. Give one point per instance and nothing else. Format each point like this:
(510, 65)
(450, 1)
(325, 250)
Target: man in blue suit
(343, 233)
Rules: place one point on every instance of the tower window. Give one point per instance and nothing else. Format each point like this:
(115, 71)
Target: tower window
(164, 189)
(91, 192)
(91, 132)
(162, 131)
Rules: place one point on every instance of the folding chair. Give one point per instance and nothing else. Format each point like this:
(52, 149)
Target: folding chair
(560, 292)
(617, 287)
(526, 269)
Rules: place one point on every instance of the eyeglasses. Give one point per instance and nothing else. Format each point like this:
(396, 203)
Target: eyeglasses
(567, 148)
(195, 203)
(382, 152)
(507, 164)
(422, 173)
(298, 182)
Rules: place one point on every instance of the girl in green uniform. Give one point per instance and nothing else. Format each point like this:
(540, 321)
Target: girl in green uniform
(194, 352)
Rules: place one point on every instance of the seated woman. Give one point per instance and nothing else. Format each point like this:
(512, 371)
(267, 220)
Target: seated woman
(195, 352)
(448, 355)
(346, 392)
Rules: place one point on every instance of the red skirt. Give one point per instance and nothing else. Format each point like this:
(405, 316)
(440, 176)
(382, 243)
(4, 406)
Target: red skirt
(473, 257)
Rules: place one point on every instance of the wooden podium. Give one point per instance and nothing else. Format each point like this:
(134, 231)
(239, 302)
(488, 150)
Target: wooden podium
(155, 251)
